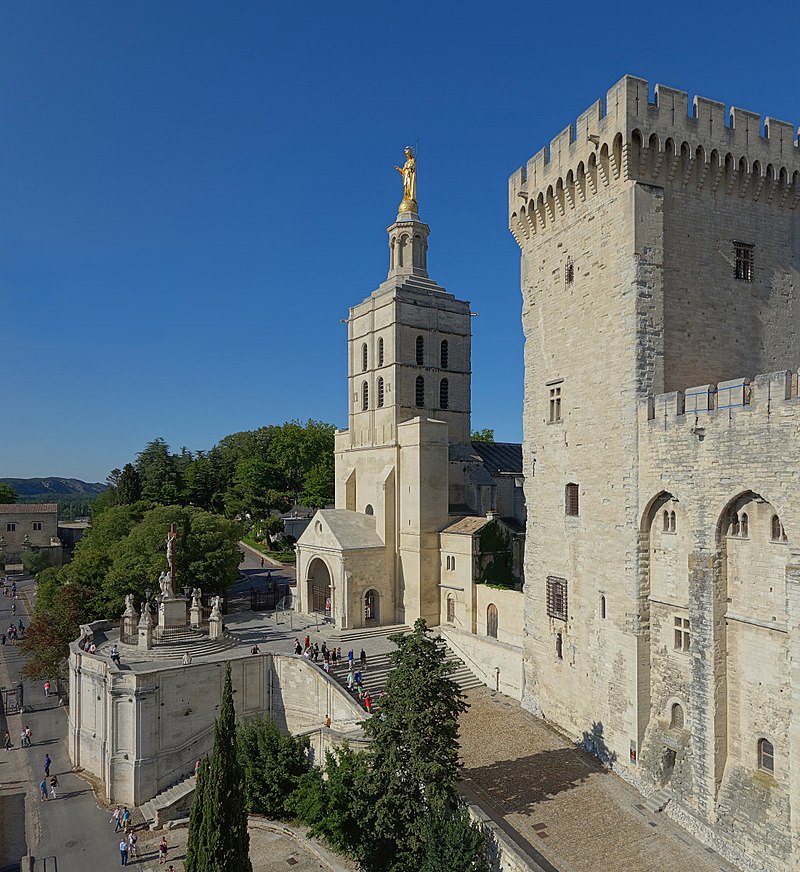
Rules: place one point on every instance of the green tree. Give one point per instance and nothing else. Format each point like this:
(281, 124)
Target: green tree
(129, 486)
(221, 842)
(195, 849)
(34, 561)
(414, 750)
(485, 435)
(7, 494)
(159, 472)
(46, 642)
(273, 765)
(451, 842)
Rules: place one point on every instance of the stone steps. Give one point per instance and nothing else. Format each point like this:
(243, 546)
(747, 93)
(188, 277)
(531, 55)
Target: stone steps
(156, 812)
(658, 801)
(194, 644)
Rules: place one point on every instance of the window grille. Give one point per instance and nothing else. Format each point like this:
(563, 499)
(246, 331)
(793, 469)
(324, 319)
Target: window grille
(569, 272)
(571, 506)
(557, 598)
(380, 351)
(364, 357)
(451, 610)
(682, 638)
(380, 393)
(420, 391)
(766, 756)
(420, 350)
(444, 394)
(444, 357)
(745, 261)
(555, 403)
(364, 396)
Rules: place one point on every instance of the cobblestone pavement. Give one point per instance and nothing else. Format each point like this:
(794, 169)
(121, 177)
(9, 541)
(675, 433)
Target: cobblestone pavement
(269, 852)
(581, 817)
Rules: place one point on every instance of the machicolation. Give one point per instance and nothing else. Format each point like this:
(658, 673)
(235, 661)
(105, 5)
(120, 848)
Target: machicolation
(658, 143)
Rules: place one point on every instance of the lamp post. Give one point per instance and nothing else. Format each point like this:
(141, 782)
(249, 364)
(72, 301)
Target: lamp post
(2, 554)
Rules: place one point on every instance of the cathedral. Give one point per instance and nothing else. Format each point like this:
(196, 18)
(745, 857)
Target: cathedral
(407, 474)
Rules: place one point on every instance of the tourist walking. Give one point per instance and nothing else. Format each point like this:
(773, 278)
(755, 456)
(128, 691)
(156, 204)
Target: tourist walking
(43, 790)
(123, 852)
(132, 840)
(162, 850)
(47, 689)
(363, 659)
(54, 786)
(115, 655)
(28, 736)
(125, 817)
(368, 703)
(298, 648)
(8, 741)
(350, 657)
(350, 680)
(115, 818)
(23, 739)
(47, 764)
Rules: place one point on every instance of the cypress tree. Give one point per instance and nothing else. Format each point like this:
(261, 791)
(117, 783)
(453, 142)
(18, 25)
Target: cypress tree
(194, 850)
(223, 843)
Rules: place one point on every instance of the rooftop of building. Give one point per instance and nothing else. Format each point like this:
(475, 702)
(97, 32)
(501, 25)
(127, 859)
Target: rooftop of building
(28, 508)
(500, 457)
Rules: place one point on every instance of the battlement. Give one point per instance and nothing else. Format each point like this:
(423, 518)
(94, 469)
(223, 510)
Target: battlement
(628, 137)
(764, 394)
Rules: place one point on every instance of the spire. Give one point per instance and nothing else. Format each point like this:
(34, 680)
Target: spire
(408, 236)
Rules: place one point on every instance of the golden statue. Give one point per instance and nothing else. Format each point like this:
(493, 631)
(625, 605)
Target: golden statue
(409, 173)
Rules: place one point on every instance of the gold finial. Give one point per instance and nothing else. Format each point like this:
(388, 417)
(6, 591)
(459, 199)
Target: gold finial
(409, 173)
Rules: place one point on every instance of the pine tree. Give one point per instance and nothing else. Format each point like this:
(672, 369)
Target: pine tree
(414, 748)
(222, 843)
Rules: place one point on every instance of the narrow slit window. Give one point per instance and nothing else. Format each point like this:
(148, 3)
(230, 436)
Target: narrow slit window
(559, 646)
(380, 393)
(569, 272)
(672, 522)
(444, 394)
(364, 396)
(666, 521)
(364, 357)
(380, 351)
(420, 392)
(420, 350)
(444, 357)
(744, 255)
(571, 504)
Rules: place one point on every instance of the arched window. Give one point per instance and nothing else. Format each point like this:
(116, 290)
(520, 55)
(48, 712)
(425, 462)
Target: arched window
(368, 510)
(766, 756)
(420, 350)
(603, 607)
(666, 521)
(444, 357)
(491, 620)
(364, 396)
(451, 609)
(744, 524)
(571, 504)
(734, 528)
(444, 394)
(672, 522)
(380, 393)
(453, 562)
(364, 357)
(420, 391)
(776, 529)
(676, 717)
(380, 351)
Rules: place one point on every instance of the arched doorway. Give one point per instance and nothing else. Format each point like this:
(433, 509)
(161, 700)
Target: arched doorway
(491, 621)
(319, 587)
(371, 608)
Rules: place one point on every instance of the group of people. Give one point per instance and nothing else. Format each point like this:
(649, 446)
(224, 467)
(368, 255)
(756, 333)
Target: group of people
(88, 645)
(128, 843)
(9, 590)
(14, 633)
(51, 780)
(332, 656)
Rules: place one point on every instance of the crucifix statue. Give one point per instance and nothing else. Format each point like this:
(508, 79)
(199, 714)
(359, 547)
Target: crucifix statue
(171, 537)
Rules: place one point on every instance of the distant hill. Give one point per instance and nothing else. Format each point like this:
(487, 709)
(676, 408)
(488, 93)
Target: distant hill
(53, 489)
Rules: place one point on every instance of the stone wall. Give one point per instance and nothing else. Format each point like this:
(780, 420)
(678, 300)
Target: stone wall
(141, 731)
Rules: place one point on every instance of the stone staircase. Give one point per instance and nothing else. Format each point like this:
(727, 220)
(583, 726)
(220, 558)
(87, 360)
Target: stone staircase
(658, 800)
(186, 641)
(376, 674)
(171, 804)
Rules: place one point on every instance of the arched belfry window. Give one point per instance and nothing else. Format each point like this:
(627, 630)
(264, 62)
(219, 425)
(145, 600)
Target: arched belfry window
(444, 357)
(444, 394)
(744, 525)
(380, 351)
(380, 393)
(666, 521)
(364, 358)
(364, 396)
(420, 391)
(420, 349)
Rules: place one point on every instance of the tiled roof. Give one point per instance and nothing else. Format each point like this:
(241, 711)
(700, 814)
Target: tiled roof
(500, 457)
(468, 526)
(27, 508)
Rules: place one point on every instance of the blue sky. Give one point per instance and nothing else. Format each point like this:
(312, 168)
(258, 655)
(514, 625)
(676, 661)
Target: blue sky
(192, 194)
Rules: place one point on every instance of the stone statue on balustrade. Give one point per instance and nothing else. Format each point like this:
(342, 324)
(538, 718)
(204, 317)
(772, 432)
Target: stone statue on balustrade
(215, 621)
